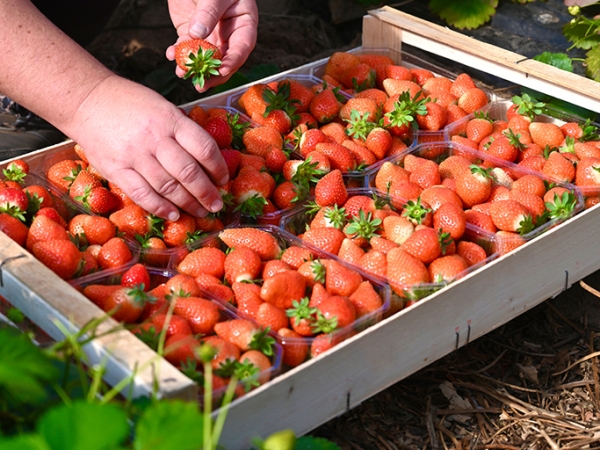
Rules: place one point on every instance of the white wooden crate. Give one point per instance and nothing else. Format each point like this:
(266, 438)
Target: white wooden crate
(360, 367)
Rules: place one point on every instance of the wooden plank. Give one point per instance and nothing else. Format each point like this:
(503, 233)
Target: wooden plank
(388, 352)
(48, 301)
(384, 30)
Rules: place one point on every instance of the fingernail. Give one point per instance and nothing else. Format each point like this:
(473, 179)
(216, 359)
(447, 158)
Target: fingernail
(224, 180)
(173, 216)
(198, 30)
(201, 212)
(216, 206)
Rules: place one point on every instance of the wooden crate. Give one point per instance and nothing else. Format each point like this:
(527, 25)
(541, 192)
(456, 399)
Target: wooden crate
(358, 368)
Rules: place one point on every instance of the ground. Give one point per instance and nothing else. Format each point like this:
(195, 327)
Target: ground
(529, 384)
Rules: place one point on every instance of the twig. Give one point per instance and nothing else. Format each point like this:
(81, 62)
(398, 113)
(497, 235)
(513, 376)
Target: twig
(493, 363)
(579, 361)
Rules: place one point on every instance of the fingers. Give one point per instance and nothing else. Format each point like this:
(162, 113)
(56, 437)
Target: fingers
(206, 16)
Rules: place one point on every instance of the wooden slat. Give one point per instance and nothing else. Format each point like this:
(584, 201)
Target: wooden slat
(388, 27)
(47, 300)
(395, 348)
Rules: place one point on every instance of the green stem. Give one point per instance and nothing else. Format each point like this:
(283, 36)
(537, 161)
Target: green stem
(220, 421)
(208, 445)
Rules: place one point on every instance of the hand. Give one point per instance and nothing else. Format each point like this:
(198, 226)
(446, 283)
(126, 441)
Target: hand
(231, 25)
(147, 146)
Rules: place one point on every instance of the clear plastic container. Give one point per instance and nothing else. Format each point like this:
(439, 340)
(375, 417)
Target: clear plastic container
(160, 276)
(286, 240)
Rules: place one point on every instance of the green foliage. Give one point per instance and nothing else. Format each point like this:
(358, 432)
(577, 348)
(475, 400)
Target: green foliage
(463, 14)
(592, 61)
(583, 32)
(558, 60)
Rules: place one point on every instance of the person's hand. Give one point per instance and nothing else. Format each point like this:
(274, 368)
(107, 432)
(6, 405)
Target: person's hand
(231, 25)
(147, 146)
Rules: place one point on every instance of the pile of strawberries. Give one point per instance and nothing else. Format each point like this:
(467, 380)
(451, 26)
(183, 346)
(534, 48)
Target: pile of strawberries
(519, 132)
(161, 240)
(307, 299)
(72, 245)
(169, 311)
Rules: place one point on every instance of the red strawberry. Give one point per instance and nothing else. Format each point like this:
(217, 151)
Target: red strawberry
(335, 312)
(177, 233)
(271, 316)
(295, 347)
(220, 131)
(204, 260)
(62, 173)
(136, 275)
(83, 183)
(226, 351)
(258, 141)
(283, 288)
(340, 62)
(339, 156)
(474, 186)
(447, 268)
(325, 106)
(331, 189)
(232, 159)
(510, 215)
(365, 299)
(96, 229)
(245, 335)
(199, 59)
(472, 100)
(37, 193)
(242, 264)
(472, 252)
(182, 285)
(126, 304)
(98, 293)
(558, 167)
(328, 238)
(59, 255)
(14, 228)
(424, 244)
(114, 253)
(546, 134)
(340, 279)
(262, 242)
(201, 314)
(434, 119)
(101, 200)
(309, 140)
(180, 349)
(42, 229)
(133, 220)
(379, 141)
(175, 325)
(405, 272)
(250, 188)
(53, 214)
(13, 201)
(252, 100)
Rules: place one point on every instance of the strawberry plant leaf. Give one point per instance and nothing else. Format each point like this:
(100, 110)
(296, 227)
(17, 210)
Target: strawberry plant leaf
(583, 32)
(25, 442)
(24, 369)
(170, 425)
(75, 426)
(592, 61)
(315, 443)
(558, 60)
(469, 14)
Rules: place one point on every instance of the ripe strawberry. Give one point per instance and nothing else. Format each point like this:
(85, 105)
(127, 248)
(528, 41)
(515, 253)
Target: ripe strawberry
(246, 335)
(242, 264)
(351, 252)
(588, 172)
(309, 140)
(505, 147)
(424, 244)
(295, 347)
(252, 100)
(259, 140)
(405, 273)
(219, 129)
(325, 106)
(334, 312)
(181, 349)
(546, 134)
(331, 189)
(203, 260)
(275, 160)
(175, 325)
(379, 141)
(393, 87)
(295, 256)
(59, 255)
(365, 299)
(43, 229)
(271, 316)
(199, 59)
(283, 288)
(254, 370)
(247, 297)
(510, 215)
(133, 220)
(480, 220)
(38, 194)
(359, 77)
(461, 84)
(98, 293)
(339, 156)
(397, 229)
(62, 173)
(374, 263)
(472, 252)
(436, 196)
(114, 253)
(153, 251)
(299, 93)
(434, 119)
(201, 314)
(473, 100)
(447, 268)
(96, 229)
(250, 189)
(474, 186)
(179, 232)
(126, 304)
(225, 351)
(100, 200)
(340, 62)
(83, 183)
(198, 114)
(286, 195)
(14, 201)
(533, 203)
(262, 242)
(136, 275)
(450, 218)
(340, 279)
(14, 228)
(182, 285)
(328, 239)
(559, 168)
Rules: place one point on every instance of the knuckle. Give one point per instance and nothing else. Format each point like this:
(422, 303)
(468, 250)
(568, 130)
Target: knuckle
(189, 173)
(169, 188)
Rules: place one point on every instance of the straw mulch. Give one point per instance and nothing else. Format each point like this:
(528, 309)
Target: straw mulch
(530, 384)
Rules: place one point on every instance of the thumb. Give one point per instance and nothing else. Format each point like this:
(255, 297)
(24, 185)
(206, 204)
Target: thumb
(206, 16)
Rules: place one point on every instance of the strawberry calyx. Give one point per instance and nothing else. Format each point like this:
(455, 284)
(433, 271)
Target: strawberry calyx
(13, 210)
(138, 295)
(415, 211)
(190, 369)
(201, 66)
(192, 238)
(14, 173)
(569, 146)
(561, 207)
(319, 271)
(483, 115)
(324, 325)
(526, 225)
(336, 216)
(514, 139)
(263, 342)
(301, 310)
(238, 129)
(445, 240)
(34, 203)
(280, 100)
(252, 206)
(528, 106)
(406, 110)
(590, 131)
(359, 125)
(247, 373)
(363, 226)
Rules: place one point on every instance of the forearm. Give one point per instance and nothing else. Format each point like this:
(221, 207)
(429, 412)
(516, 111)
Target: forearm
(42, 68)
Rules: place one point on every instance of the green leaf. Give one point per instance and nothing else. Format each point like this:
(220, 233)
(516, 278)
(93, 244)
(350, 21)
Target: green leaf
(315, 443)
(463, 14)
(592, 61)
(170, 425)
(82, 425)
(583, 32)
(24, 369)
(559, 60)
(24, 442)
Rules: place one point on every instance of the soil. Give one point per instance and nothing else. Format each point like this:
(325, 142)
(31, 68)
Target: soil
(507, 381)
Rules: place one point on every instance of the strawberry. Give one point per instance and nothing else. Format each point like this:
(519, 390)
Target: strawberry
(275, 160)
(43, 229)
(225, 351)
(59, 255)
(474, 186)
(133, 220)
(175, 325)
(472, 252)
(100, 200)
(473, 100)
(359, 77)
(434, 119)
(199, 59)
(309, 140)
(328, 239)
(38, 194)
(177, 233)
(461, 84)
(219, 129)
(480, 220)
(98, 293)
(153, 251)
(447, 268)
(295, 256)
(479, 127)
(127, 303)
(546, 134)
(136, 275)
(374, 263)
(559, 168)
(182, 285)
(331, 189)
(325, 106)
(365, 299)
(114, 253)
(379, 141)
(201, 314)
(334, 312)
(393, 87)
(181, 349)
(83, 183)
(359, 107)
(252, 100)
(253, 371)
(259, 141)
(424, 244)
(247, 297)
(14, 201)
(510, 215)
(273, 267)
(340, 62)
(295, 348)
(62, 173)
(198, 114)
(14, 228)
(397, 229)
(250, 189)
(16, 170)
(405, 273)
(299, 94)
(242, 264)
(271, 316)
(245, 335)
(286, 195)
(340, 279)
(588, 172)
(264, 243)
(339, 156)
(350, 251)
(450, 218)
(283, 288)
(95, 229)
(203, 260)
